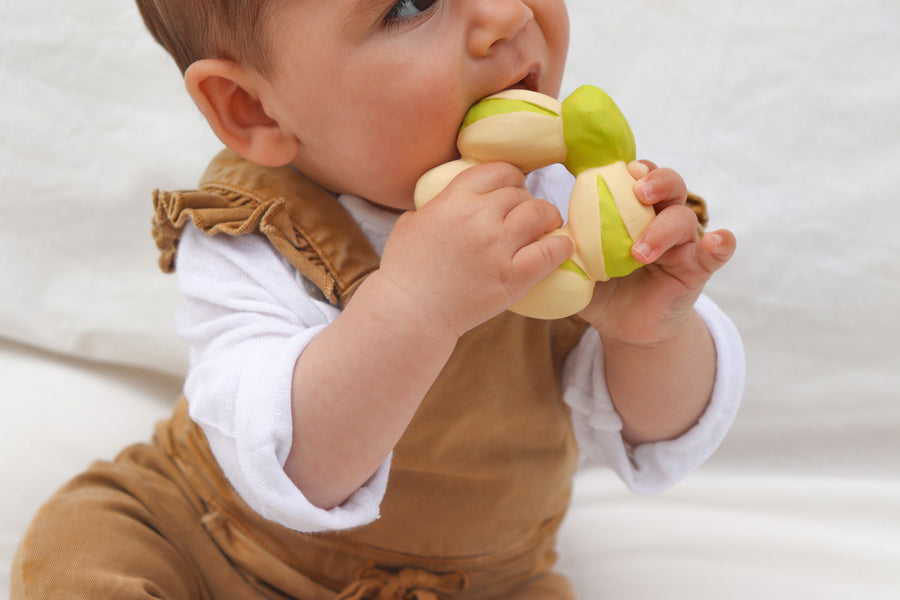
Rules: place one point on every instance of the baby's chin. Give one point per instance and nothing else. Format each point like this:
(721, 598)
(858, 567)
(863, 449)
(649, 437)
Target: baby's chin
(397, 196)
(399, 185)
(399, 199)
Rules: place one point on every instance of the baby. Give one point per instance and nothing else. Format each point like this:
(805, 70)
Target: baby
(363, 418)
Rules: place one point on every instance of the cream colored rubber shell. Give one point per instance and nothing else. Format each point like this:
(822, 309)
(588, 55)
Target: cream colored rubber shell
(434, 181)
(542, 100)
(559, 294)
(584, 219)
(528, 140)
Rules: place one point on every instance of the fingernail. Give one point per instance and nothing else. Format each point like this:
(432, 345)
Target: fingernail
(720, 248)
(643, 190)
(640, 167)
(641, 251)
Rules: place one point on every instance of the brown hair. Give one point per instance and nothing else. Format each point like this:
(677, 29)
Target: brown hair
(191, 30)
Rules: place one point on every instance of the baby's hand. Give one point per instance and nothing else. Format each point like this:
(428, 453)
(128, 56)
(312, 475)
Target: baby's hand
(475, 249)
(651, 304)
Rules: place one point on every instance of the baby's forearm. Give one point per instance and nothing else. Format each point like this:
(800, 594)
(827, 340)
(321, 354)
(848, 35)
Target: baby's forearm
(661, 390)
(357, 386)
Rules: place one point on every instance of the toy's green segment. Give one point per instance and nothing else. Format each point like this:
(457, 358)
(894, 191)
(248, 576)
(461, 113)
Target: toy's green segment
(614, 238)
(571, 266)
(595, 130)
(501, 106)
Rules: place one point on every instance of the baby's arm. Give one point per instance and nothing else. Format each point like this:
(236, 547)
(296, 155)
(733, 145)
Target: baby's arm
(660, 358)
(462, 259)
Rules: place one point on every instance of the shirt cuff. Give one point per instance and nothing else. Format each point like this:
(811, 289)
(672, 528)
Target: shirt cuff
(653, 467)
(252, 455)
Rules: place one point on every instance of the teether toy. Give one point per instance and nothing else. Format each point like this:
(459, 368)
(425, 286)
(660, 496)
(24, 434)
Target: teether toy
(588, 134)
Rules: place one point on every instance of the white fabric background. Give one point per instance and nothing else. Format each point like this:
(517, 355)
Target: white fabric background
(783, 115)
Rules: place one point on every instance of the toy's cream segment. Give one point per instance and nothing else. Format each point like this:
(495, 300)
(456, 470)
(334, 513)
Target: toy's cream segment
(589, 135)
(604, 219)
(519, 127)
(565, 291)
(431, 183)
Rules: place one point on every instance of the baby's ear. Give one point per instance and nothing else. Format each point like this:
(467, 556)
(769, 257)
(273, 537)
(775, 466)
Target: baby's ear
(226, 95)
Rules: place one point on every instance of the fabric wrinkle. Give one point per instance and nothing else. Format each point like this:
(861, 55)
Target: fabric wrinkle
(373, 583)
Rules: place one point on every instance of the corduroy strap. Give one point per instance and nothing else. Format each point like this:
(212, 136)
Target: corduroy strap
(299, 218)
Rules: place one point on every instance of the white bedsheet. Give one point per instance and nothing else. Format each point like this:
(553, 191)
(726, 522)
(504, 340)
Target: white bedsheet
(785, 116)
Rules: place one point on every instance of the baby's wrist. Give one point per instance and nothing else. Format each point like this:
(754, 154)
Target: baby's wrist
(393, 297)
(670, 330)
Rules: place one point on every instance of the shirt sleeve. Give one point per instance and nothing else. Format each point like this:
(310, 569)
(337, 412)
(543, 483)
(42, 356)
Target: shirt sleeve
(653, 467)
(247, 315)
(648, 468)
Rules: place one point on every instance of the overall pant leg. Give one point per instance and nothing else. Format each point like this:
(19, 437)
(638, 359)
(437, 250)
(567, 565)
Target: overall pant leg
(123, 530)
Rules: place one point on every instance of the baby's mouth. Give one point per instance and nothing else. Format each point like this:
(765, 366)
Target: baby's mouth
(529, 82)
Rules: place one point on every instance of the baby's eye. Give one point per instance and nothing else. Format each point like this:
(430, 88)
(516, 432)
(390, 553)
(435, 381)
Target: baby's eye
(408, 9)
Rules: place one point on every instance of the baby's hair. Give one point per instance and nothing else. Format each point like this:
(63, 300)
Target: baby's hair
(191, 30)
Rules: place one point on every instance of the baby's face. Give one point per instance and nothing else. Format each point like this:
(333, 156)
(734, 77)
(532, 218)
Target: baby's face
(375, 90)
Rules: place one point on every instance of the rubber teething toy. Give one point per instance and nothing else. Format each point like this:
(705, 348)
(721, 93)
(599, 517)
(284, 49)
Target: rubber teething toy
(588, 134)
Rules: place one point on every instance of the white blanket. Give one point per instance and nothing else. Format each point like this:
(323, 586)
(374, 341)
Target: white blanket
(785, 116)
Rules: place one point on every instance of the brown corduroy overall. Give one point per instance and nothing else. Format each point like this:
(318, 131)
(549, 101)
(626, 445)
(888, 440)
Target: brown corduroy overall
(478, 485)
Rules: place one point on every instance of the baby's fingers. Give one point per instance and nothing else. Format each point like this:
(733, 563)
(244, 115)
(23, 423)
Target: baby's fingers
(530, 219)
(536, 260)
(715, 249)
(673, 226)
(658, 187)
(489, 177)
(661, 188)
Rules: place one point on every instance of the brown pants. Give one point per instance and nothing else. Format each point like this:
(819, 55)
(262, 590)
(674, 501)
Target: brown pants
(138, 528)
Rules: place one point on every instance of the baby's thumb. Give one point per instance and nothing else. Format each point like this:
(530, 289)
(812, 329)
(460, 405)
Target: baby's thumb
(716, 249)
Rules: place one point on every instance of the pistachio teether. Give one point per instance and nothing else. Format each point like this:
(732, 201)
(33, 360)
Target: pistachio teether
(588, 134)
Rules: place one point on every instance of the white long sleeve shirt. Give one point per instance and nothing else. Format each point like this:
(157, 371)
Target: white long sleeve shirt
(248, 314)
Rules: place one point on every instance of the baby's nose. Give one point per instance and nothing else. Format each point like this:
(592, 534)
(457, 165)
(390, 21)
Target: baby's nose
(494, 21)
